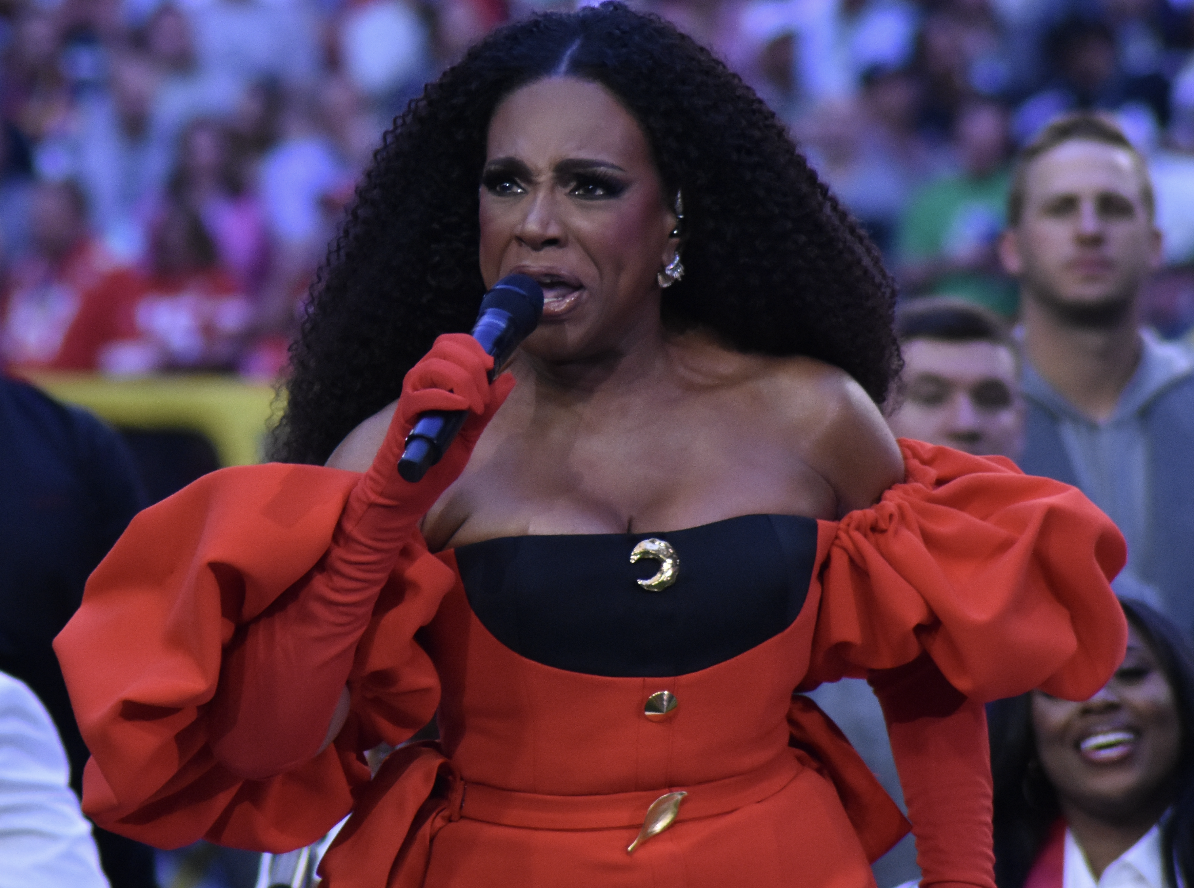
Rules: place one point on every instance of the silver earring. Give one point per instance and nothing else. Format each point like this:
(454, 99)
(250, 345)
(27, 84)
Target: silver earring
(671, 273)
(674, 270)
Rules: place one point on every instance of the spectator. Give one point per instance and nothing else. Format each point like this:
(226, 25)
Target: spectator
(385, 50)
(120, 161)
(68, 488)
(185, 313)
(1110, 408)
(948, 234)
(839, 146)
(1088, 76)
(1101, 792)
(44, 840)
(47, 289)
(959, 386)
(960, 390)
(16, 190)
(251, 40)
(212, 175)
(34, 91)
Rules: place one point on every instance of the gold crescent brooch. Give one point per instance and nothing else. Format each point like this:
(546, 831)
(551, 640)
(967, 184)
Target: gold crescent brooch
(669, 563)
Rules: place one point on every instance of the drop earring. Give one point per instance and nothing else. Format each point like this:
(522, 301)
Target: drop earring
(674, 270)
(671, 273)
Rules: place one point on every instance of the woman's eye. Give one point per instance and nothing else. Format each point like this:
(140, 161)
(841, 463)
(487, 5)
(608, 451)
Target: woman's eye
(1132, 674)
(500, 183)
(596, 187)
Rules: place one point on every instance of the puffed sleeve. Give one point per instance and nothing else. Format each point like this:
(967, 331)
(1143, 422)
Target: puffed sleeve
(142, 658)
(1001, 577)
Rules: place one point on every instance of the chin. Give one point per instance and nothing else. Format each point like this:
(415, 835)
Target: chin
(1095, 313)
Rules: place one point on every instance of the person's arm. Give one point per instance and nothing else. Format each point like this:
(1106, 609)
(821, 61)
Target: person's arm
(939, 743)
(282, 695)
(44, 840)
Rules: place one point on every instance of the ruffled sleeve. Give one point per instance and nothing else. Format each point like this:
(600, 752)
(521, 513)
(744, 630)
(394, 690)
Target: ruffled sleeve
(142, 658)
(1001, 577)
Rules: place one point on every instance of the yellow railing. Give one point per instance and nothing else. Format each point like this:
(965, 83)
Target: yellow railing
(229, 412)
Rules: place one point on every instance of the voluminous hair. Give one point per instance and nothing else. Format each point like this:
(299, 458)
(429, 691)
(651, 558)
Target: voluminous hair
(774, 264)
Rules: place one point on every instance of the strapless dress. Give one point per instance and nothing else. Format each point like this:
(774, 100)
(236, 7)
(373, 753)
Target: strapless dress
(582, 714)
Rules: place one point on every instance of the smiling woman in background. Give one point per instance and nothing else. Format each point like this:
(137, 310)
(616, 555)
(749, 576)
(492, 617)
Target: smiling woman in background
(1101, 792)
(704, 387)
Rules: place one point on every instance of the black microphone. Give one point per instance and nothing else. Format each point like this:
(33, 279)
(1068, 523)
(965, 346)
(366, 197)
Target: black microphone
(509, 312)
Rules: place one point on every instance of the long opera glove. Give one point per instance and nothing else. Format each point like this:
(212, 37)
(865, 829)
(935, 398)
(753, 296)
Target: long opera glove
(284, 674)
(940, 746)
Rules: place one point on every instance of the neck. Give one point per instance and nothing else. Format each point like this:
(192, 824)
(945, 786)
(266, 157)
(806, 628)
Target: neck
(1101, 841)
(622, 368)
(1089, 366)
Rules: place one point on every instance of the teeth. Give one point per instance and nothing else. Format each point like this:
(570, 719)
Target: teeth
(1106, 740)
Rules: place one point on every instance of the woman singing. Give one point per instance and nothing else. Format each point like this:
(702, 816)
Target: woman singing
(678, 505)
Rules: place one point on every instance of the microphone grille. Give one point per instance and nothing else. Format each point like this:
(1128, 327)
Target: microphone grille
(520, 297)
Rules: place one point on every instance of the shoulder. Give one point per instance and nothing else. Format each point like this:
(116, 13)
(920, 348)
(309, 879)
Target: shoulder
(355, 453)
(833, 426)
(32, 412)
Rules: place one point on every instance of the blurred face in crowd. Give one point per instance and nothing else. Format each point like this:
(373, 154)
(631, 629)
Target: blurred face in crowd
(1114, 756)
(56, 220)
(962, 395)
(1085, 242)
(982, 138)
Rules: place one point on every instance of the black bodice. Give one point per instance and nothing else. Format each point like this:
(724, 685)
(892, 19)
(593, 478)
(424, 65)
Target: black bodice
(573, 601)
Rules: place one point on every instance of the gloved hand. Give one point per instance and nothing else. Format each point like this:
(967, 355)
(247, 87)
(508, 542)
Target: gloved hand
(284, 674)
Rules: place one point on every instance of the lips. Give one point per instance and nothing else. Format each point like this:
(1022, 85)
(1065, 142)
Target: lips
(1091, 266)
(560, 290)
(1107, 746)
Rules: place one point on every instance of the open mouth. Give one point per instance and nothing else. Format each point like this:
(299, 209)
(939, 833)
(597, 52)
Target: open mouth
(559, 292)
(1108, 746)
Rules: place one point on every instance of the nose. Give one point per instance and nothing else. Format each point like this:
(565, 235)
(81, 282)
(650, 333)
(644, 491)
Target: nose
(540, 226)
(1090, 224)
(1104, 698)
(964, 419)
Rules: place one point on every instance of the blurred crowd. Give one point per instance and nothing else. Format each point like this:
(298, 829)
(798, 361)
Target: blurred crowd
(171, 171)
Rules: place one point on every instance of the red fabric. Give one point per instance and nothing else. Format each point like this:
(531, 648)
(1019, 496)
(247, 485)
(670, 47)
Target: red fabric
(967, 560)
(1048, 871)
(935, 730)
(307, 638)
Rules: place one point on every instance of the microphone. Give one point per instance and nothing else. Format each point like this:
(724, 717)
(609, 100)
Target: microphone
(509, 312)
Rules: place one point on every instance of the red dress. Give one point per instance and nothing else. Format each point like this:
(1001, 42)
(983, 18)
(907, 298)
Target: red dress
(545, 774)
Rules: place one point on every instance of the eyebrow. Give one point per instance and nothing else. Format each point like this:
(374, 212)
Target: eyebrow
(566, 166)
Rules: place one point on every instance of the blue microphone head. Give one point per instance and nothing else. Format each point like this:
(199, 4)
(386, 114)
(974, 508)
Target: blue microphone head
(521, 298)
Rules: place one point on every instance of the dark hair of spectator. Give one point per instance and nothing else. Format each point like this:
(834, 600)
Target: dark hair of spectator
(950, 319)
(1081, 126)
(1026, 804)
(774, 264)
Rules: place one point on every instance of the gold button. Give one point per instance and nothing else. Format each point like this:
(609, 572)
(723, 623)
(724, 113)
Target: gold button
(660, 705)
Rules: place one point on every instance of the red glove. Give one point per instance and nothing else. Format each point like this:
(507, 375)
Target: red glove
(940, 746)
(283, 674)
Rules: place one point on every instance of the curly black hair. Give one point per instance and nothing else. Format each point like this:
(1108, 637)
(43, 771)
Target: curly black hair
(1025, 804)
(775, 265)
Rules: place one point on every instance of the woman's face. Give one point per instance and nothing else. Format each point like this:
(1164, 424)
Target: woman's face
(1114, 755)
(570, 196)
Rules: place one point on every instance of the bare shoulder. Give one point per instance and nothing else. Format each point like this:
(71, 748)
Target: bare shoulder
(837, 428)
(357, 450)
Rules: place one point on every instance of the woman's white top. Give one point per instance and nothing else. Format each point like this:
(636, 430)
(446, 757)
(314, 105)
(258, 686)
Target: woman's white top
(1138, 867)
